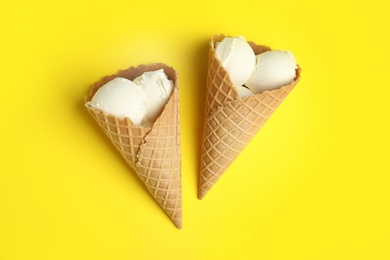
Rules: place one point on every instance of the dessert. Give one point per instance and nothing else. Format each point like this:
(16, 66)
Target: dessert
(237, 57)
(230, 120)
(141, 99)
(150, 142)
(273, 69)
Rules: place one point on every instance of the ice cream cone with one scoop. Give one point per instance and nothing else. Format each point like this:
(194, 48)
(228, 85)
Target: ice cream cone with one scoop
(138, 109)
(246, 82)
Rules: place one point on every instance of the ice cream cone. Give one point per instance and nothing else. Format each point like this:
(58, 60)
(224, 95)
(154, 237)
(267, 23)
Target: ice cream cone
(231, 122)
(154, 153)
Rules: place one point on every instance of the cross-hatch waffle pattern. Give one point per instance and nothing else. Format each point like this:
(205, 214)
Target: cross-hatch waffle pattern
(154, 153)
(159, 164)
(124, 135)
(218, 89)
(231, 122)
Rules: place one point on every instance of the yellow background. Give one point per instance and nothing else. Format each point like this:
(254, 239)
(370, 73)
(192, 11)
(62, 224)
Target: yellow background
(313, 184)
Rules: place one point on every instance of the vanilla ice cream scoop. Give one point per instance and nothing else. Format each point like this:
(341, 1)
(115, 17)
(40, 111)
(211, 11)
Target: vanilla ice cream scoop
(157, 89)
(122, 98)
(273, 69)
(142, 100)
(237, 57)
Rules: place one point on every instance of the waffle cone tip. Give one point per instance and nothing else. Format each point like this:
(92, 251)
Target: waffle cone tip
(178, 223)
(202, 193)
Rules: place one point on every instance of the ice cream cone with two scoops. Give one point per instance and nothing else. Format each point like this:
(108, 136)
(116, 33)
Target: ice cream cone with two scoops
(246, 82)
(145, 129)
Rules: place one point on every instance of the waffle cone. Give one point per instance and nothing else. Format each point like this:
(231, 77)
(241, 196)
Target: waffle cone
(231, 122)
(154, 153)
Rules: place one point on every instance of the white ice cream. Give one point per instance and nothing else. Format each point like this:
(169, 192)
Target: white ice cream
(121, 97)
(157, 89)
(142, 100)
(237, 57)
(273, 69)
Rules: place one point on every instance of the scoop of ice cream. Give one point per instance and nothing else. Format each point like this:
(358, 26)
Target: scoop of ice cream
(157, 89)
(237, 57)
(122, 98)
(142, 100)
(244, 92)
(273, 69)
